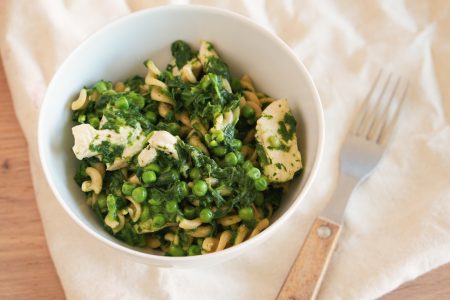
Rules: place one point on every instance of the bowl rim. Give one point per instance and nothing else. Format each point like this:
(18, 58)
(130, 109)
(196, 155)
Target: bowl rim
(228, 251)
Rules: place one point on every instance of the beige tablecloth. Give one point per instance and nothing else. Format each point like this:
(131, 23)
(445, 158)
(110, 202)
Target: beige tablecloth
(397, 225)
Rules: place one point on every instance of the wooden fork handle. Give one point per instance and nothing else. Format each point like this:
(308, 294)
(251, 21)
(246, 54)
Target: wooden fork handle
(305, 276)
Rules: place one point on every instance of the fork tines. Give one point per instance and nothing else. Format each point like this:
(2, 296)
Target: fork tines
(381, 108)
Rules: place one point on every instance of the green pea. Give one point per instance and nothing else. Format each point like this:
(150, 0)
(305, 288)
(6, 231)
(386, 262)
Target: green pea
(189, 212)
(261, 183)
(81, 118)
(236, 144)
(173, 128)
(248, 112)
(149, 176)
(213, 144)
(231, 159)
(195, 173)
(159, 220)
(194, 250)
(206, 215)
(254, 173)
(139, 194)
(219, 151)
(239, 156)
(137, 100)
(172, 206)
(154, 202)
(247, 165)
(122, 103)
(259, 200)
(101, 200)
(200, 188)
(94, 121)
(151, 116)
(127, 188)
(208, 137)
(145, 215)
(152, 167)
(274, 142)
(220, 136)
(175, 251)
(101, 86)
(246, 213)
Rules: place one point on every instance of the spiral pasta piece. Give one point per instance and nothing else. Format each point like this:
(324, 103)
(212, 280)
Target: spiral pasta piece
(251, 97)
(195, 141)
(229, 220)
(164, 109)
(201, 231)
(263, 224)
(153, 71)
(187, 74)
(190, 224)
(183, 117)
(81, 102)
(96, 182)
(100, 168)
(115, 225)
(157, 94)
(154, 243)
(119, 87)
(225, 237)
(247, 83)
(134, 210)
(210, 244)
(241, 234)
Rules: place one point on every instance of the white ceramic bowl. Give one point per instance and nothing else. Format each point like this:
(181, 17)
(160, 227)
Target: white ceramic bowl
(118, 50)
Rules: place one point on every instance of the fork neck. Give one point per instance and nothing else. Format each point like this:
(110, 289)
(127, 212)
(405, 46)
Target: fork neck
(335, 209)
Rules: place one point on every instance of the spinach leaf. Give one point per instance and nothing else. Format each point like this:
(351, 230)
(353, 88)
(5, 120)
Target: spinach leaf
(182, 53)
(217, 66)
(107, 150)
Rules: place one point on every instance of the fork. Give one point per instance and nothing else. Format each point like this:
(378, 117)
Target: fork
(361, 151)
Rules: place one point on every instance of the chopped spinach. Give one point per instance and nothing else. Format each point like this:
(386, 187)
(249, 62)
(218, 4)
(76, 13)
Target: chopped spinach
(107, 150)
(182, 53)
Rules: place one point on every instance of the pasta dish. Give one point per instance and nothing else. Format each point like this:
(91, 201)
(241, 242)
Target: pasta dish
(186, 160)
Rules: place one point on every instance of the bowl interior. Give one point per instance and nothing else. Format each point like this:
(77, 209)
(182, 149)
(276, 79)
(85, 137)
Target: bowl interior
(119, 50)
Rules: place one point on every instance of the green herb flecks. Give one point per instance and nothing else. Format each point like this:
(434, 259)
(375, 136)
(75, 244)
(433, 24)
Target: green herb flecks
(287, 127)
(107, 150)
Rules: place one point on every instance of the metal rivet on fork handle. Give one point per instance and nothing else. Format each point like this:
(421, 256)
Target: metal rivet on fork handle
(324, 232)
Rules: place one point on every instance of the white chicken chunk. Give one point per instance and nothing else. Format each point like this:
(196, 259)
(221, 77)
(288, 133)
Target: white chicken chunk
(85, 135)
(147, 155)
(159, 140)
(284, 159)
(206, 50)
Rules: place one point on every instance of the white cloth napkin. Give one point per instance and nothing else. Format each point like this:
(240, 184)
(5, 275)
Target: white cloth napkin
(397, 225)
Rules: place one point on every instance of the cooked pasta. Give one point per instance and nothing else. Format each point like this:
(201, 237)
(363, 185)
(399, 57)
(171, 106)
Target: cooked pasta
(184, 160)
(81, 102)
(96, 182)
(247, 83)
